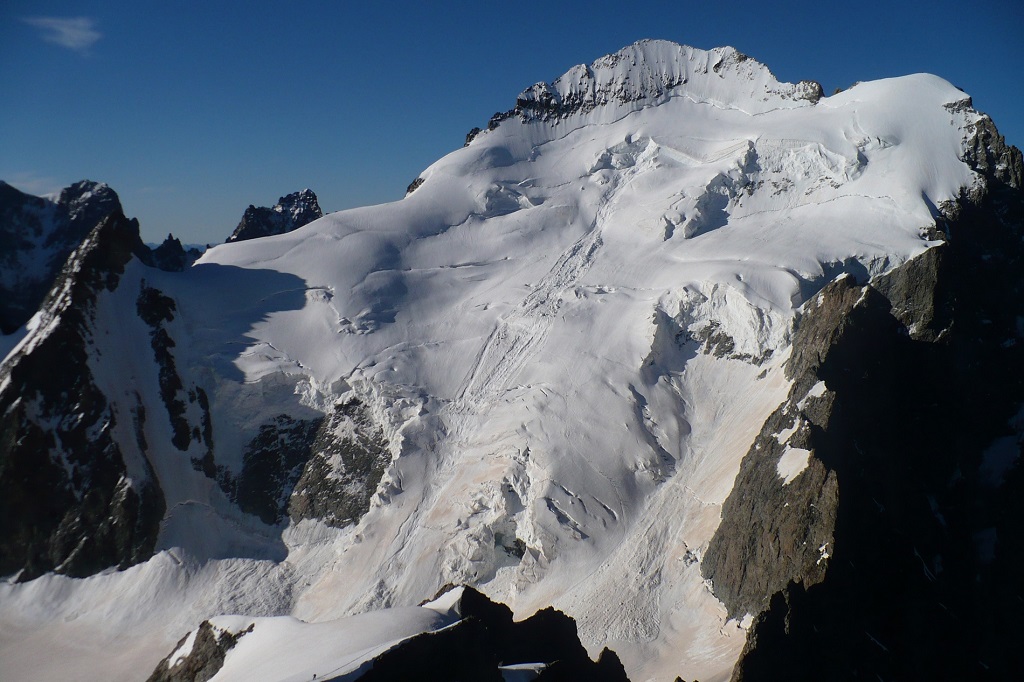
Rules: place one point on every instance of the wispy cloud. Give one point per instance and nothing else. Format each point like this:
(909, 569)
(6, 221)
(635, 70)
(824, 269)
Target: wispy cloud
(31, 182)
(74, 33)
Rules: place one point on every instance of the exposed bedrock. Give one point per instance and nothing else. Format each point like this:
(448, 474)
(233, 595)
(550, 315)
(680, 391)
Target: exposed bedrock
(289, 213)
(476, 647)
(67, 502)
(893, 552)
(37, 234)
(204, 659)
(325, 468)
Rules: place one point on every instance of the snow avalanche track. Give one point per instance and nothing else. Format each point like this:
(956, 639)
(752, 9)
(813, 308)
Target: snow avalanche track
(570, 334)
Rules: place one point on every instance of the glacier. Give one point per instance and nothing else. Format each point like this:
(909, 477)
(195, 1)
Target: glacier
(568, 335)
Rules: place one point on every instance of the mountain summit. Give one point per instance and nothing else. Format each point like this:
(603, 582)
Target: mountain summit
(650, 71)
(289, 213)
(722, 369)
(37, 234)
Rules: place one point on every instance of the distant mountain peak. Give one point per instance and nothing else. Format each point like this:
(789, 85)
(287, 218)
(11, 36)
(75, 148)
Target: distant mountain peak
(171, 256)
(38, 234)
(289, 213)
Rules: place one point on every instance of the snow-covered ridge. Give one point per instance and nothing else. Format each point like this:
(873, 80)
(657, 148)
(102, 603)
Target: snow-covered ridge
(649, 71)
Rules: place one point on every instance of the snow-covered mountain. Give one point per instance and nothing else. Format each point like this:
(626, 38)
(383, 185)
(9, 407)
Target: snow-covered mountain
(724, 369)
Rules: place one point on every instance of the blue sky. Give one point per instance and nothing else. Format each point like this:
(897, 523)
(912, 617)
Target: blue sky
(191, 114)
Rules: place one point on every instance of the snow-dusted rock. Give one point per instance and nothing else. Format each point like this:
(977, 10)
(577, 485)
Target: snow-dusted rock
(289, 213)
(37, 234)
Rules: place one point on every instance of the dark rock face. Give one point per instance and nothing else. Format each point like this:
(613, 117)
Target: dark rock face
(171, 256)
(487, 637)
(989, 154)
(67, 501)
(924, 377)
(157, 310)
(206, 658)
(271, 465)
(349, 458)
(38, 234)
(326, 468)
(413, 186)
(289, 213)
(36, 237)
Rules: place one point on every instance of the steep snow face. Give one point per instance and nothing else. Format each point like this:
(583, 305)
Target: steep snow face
(569, 334)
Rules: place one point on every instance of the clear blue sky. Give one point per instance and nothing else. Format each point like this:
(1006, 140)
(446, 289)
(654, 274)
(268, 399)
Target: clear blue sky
(191, 114)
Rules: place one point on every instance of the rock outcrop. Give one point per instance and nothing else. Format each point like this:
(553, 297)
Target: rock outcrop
(289, 213)
(629, 76)
(171, 256)
(348, 461)
(486, 638)
(484, 644)
(324, 468)
(207, 648)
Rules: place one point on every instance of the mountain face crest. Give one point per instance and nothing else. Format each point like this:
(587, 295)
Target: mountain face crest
(290, 213)
(649, 71)
(702, 358)
(37, 234)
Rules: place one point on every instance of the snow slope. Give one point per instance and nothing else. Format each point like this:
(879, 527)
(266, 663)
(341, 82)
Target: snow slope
(570, 333)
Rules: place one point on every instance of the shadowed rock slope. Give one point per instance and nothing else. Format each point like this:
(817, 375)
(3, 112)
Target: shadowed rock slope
(289, 213)
(895, 553)
(67, 501)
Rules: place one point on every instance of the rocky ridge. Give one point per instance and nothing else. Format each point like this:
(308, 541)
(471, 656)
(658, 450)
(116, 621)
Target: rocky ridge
(485, 643)
(171, 256)
(73, 498)
(289, 213)
(37, 234)
(645, 73)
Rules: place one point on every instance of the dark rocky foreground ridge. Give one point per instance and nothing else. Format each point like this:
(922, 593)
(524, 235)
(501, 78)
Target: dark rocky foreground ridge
(896, 553)
(485, 638)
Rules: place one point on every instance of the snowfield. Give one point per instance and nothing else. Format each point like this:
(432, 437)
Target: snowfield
(530, 328)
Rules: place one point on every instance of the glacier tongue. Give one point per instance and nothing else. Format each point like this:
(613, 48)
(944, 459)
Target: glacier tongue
(569, 336)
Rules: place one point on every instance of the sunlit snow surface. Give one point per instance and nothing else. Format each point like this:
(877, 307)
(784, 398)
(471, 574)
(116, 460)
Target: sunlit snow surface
(519, 325)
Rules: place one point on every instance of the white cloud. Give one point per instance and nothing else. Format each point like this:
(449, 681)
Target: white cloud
(74, 33)
(32, 183)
